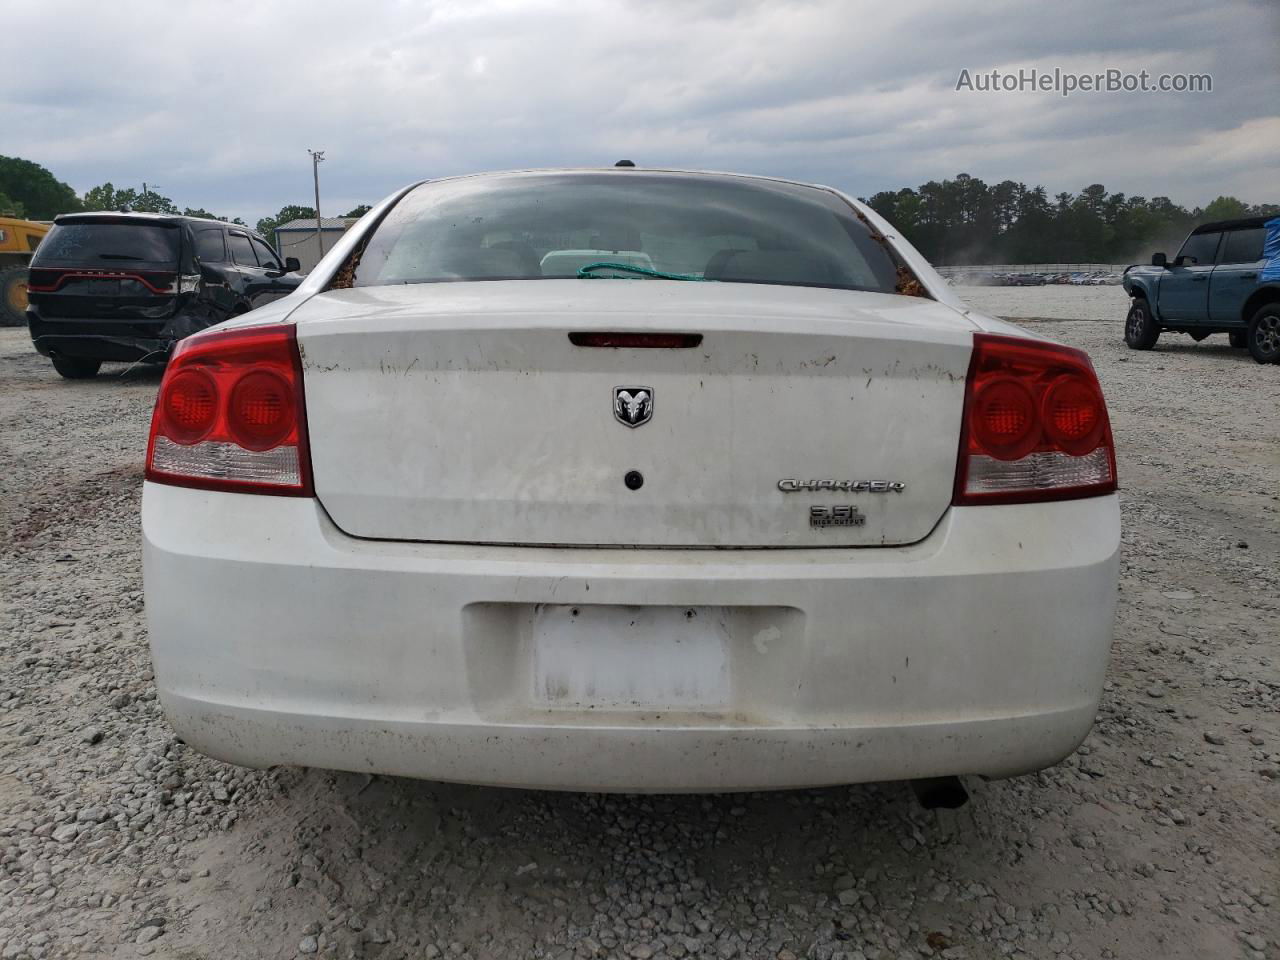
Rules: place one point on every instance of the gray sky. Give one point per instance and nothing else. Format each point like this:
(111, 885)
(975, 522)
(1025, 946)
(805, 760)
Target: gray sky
(217, 101)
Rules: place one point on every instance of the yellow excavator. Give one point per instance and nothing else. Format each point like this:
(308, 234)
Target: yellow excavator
(18, 241)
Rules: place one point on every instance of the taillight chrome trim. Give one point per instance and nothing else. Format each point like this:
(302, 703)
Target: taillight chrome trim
(1022, 478)
(225, 464)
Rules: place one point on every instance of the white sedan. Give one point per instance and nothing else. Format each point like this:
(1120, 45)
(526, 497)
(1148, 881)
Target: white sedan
(630, 480)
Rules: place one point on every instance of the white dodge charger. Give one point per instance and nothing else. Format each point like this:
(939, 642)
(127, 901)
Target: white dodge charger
(629, 480)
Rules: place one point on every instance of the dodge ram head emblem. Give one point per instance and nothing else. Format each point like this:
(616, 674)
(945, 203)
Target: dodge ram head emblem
(633, 406)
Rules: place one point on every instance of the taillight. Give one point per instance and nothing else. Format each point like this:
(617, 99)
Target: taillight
(150, 281)
(1035, 425)
(230, 415)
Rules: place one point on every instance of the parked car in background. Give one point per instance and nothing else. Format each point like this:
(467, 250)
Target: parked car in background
(630, 480)
(128, 286)
(1216, 284)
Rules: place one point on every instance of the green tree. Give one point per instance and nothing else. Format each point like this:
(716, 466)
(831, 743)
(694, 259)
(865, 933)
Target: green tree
(267, 225)
(1004, 203)
(359, 211)
(1029, 238)
(1225, 208)
(10, 207)
(1093, 199)
(965, 221)
(152, 202)
(107, 197)
(41, 195)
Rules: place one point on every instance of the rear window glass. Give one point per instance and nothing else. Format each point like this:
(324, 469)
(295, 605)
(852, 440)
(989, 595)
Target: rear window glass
(1201, 246)
(90, 243)
(1243, 246)
(546, 226)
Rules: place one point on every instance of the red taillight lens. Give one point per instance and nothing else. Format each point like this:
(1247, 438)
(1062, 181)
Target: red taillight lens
(150, 281)
(1035, 425)
(1074, 414)
(230, 414)
(189, 406)
(1004, 418)
(260, 411)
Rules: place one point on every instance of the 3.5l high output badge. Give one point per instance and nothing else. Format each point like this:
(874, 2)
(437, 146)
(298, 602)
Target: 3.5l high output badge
(633, 406)
(844, 515)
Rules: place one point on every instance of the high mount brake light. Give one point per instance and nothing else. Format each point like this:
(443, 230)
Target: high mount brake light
(230, 415)
(1035, 425)
(673, 341)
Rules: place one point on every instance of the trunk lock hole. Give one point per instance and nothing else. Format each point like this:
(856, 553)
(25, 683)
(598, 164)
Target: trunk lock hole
(634, 480)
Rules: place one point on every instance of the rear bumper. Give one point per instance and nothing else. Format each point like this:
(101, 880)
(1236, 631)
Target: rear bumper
(278, 639)
(99, 339)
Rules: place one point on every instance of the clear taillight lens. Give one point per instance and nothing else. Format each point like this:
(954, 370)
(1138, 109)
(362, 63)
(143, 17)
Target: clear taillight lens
(230, 415)
(1035, 425)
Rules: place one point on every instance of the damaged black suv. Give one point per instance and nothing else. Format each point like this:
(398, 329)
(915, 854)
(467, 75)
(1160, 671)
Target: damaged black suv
(128, 286)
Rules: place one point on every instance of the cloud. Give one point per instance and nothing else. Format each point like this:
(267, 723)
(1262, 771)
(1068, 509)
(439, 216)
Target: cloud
(217, 103)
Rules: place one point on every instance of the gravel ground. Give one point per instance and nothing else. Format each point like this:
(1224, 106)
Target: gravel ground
(1052, 301)
(1159, 839)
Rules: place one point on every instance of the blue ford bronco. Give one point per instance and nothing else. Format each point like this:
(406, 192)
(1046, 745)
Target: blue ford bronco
(1225, 279)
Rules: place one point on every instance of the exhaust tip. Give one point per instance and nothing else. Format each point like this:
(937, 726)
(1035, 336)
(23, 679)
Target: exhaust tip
(940, 793)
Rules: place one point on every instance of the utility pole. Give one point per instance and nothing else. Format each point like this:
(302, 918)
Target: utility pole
(145, 191)
(317, 157)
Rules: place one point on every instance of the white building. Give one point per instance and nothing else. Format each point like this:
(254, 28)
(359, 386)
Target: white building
(297, 238)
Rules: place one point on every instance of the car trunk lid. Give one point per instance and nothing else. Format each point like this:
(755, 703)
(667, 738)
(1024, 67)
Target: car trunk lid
(464, 412)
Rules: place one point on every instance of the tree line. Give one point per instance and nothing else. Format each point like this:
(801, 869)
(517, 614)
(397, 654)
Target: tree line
(960, 221)
(29, 191)
(966, 221)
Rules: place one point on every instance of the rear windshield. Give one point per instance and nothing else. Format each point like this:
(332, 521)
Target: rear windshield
(546, 226)
(92, 243)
